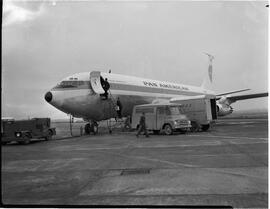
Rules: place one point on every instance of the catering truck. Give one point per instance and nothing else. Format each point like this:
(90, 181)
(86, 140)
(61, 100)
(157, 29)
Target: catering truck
(165, 117)
(23, 131)
(201, 111)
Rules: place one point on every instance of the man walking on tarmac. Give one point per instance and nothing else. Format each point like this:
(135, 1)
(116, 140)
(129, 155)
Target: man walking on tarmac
(142, 126)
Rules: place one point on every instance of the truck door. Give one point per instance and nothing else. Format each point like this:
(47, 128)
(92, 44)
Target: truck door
(150, 117)
(95, 80)
(160, 117)
(208, 110)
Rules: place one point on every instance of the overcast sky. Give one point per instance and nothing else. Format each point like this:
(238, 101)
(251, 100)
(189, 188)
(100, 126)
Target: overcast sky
(45, 41)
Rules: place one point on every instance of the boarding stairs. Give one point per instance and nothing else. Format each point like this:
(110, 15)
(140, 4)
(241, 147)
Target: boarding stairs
(109, 104)
(115, 123)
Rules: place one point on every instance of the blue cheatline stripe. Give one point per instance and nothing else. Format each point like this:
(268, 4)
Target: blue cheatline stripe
(128, 87)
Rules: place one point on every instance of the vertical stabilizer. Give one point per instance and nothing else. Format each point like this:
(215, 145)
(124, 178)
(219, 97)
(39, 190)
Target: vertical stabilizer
(207, 82)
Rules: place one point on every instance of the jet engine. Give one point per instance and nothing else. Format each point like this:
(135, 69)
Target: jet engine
(223, 109)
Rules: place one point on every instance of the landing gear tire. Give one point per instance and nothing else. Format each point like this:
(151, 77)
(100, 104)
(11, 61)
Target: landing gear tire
(91, 128)
(95, 128)
(87, 128)
(183, 131)
(205, 127)
(168, 129)
(194, 126)
(156, 132)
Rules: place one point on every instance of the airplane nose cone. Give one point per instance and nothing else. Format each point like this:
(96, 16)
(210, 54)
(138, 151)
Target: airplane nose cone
(48, 96)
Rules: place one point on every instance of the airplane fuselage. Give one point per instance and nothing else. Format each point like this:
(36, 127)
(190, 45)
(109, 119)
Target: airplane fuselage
(80, 94)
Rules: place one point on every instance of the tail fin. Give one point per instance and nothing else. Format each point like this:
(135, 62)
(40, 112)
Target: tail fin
(207, 83)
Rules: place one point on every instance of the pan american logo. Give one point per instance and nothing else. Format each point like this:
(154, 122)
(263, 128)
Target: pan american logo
(164, 85)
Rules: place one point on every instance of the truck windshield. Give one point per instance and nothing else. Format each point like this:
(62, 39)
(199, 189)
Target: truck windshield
(174, 110)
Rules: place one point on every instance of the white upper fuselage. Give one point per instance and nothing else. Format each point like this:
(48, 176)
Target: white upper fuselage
(76, 94)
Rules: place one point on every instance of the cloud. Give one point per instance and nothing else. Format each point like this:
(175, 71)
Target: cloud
(14, 13)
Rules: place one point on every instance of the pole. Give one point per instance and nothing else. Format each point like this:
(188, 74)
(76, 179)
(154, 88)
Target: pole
(70, 125)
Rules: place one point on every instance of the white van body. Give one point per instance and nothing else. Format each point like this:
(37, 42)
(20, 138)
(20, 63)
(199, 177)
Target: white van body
(161, 117)
(200, 110)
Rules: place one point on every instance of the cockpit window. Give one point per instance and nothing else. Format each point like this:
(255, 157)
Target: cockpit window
(69, 84)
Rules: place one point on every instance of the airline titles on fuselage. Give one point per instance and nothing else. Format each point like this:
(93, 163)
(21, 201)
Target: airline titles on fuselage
(164, 85)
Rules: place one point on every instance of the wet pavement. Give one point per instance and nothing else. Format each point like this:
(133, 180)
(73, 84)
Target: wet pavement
(225, 166)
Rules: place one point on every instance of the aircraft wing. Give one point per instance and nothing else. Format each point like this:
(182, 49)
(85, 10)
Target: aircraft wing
(232, 92)
(232, 99)
(182, 98)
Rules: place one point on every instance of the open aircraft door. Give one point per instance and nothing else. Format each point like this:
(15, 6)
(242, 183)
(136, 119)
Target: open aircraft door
(95, 80)
(213, 108)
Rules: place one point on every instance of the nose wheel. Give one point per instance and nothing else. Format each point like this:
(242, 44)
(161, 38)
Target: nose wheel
(91, 128)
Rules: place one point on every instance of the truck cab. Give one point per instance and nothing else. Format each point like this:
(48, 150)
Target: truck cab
(164, 117)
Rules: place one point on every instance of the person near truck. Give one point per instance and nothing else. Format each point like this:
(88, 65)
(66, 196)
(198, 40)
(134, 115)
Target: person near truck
(142, 126)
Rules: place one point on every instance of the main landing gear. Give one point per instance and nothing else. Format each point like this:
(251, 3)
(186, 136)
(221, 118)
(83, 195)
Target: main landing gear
(91, 127)
(196, 127)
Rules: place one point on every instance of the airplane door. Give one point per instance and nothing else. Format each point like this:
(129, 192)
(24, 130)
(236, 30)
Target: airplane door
(95, 82)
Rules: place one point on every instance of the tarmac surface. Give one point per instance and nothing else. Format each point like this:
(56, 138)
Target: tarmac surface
(227, 165)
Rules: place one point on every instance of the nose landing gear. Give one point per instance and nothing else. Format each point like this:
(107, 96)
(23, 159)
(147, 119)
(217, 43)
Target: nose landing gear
(91, 127)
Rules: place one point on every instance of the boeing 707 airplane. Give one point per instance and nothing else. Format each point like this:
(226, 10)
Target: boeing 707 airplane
(81, 94)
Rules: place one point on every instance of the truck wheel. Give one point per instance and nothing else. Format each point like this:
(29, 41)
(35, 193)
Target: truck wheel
(168, 129)
(49, 135)
(194, 126)
(26, 140)
(205, 127)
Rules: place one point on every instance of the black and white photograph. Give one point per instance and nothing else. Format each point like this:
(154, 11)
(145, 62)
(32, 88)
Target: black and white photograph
(134, 103)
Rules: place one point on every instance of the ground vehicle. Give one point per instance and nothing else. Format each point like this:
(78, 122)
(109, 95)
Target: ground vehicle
(161, 117)
(201, 110)
(23, 131)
